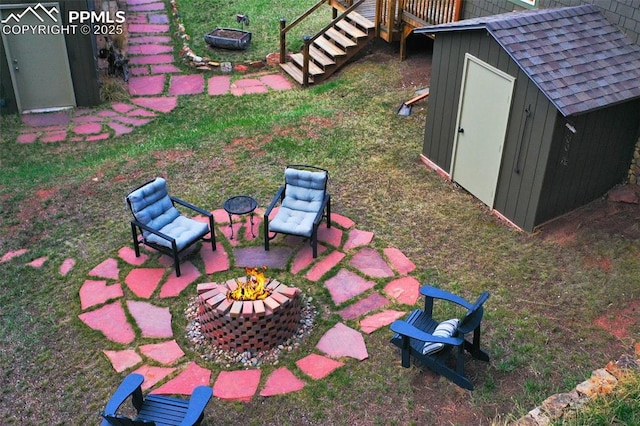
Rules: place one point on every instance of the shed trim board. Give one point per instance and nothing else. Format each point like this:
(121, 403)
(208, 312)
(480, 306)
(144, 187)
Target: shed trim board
(481, 127)
(36, 60)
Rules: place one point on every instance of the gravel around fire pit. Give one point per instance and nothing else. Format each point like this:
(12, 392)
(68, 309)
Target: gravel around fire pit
(211, 352)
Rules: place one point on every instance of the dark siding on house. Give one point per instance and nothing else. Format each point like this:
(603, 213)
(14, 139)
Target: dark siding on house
(82, 62)
(623, 13)
(6, 88)
(596, 159)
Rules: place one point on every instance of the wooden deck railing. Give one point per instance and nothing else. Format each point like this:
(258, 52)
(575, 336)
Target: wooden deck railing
(433, 11)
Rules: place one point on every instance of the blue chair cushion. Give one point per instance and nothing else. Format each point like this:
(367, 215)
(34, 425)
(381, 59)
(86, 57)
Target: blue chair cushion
(183, 229)
(295, 222)
(444, 329)
(305, 190)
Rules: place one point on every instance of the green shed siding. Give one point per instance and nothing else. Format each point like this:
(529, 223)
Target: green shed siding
(596, 159)
(538, 180)
(517, 194)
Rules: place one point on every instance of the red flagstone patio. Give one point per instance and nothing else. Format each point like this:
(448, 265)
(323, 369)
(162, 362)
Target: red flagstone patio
(317, 366)
(371, 263)
(186, 381)
(346, 285)
(66, 266)
(373, 302)
(103, 303)
(238, 385)
(405, 290)
(109, 308)
(128, 254)
(143, 282)
(342, 341)
(399, 261)
(174, 285)
(165, 353)
(357, 238)
(153, 375)
(98, 292)
(153, 321)
(382, 319)
(123, 360)
(186, 84)
(38, 263)
(107, 269)
(324, 265)
(11, 254)
(281, 381)
(111, 321)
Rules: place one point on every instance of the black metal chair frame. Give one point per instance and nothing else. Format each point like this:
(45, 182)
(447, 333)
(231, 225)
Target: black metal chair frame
(324, 212)
(412, 333)
(173, 251)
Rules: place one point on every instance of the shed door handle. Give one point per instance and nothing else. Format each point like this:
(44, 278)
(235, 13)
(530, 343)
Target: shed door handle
(460, 130)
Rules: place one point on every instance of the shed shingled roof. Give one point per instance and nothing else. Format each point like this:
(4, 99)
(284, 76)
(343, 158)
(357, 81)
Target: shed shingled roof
(579, 60)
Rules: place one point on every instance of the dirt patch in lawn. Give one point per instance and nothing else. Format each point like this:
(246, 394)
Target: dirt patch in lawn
(599, 216)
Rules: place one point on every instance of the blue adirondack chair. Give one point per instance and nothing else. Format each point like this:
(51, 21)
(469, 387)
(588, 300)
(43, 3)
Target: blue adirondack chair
(432, 343)
(156, 410)
(304, 203)
(161, 224)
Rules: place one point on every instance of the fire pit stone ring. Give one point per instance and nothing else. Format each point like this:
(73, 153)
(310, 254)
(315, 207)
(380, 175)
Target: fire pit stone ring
(248, 325)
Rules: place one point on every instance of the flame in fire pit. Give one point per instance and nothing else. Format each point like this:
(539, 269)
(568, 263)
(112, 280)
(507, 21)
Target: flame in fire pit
(254, 288)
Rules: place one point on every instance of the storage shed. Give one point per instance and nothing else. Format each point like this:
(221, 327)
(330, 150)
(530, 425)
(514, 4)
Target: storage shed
(45, 62)
(534, 112)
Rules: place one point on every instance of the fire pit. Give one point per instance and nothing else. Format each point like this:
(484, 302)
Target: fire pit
(250, 313)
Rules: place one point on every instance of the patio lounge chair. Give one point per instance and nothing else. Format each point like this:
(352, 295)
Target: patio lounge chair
(304, 202)
(155, 409)
(432, 343)
(160, 223)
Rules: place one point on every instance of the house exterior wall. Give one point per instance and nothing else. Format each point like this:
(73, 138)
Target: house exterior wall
(528, 138)
(82, 61)
(624, 13)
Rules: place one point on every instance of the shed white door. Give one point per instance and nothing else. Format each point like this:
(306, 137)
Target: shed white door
(38, 61)
(483, 115)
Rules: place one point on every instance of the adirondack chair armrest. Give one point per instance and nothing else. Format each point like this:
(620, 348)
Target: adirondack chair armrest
(437, 293)
(403, 328)
(276, 198)
(154, 231)
(191, 206)
(197, 403)
(320, 214)
(132, 383)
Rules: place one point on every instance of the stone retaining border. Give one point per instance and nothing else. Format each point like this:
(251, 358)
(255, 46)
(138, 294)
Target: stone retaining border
(564, 405)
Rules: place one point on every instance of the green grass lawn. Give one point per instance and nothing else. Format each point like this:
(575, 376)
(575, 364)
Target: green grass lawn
(200, 17)
(67, 200)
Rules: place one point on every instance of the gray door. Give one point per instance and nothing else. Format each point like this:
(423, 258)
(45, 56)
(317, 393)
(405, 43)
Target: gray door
(38, 60)
(483, 115)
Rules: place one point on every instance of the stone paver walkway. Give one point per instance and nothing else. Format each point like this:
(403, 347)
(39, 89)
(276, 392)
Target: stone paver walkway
(155, 85)
(129, 308)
